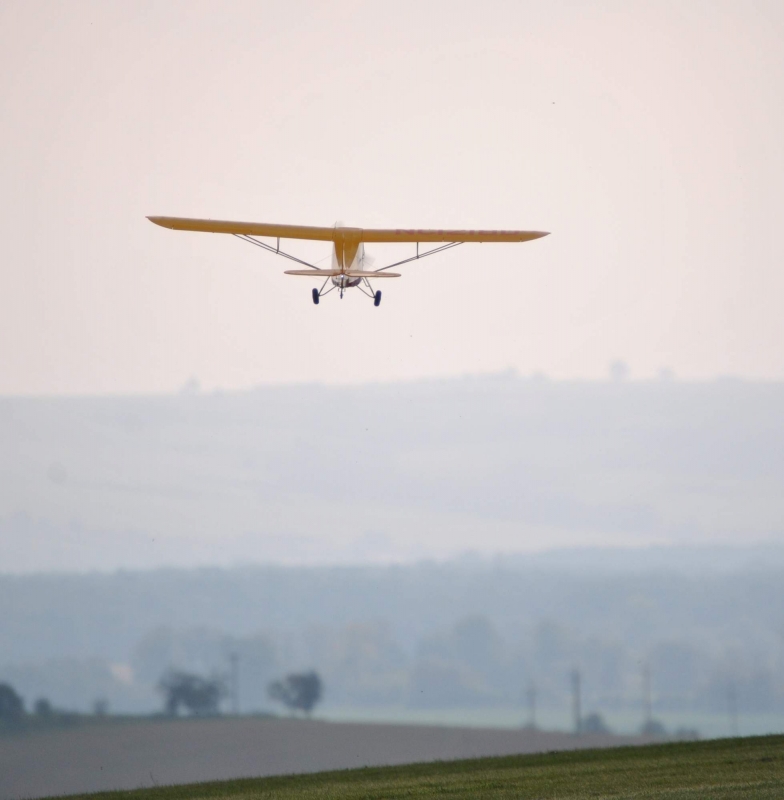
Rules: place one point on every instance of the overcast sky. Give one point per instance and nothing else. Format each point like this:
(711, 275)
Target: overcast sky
(647, 136)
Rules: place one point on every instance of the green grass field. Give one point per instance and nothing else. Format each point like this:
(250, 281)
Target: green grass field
(720, 769)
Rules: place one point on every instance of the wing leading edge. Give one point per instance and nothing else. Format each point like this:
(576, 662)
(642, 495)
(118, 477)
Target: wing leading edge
(247, 228)
(390, 235)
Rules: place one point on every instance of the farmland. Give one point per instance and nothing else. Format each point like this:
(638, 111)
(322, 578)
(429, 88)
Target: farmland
(725, 769)
(148, 753)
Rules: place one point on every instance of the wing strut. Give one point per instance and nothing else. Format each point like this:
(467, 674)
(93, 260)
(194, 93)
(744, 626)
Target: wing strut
(422, 255)
(276, 250)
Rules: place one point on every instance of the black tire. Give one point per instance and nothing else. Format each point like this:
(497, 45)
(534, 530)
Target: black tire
(377, 298)
(316, 296)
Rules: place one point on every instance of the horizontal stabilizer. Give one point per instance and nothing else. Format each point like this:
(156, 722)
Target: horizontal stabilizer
(329, 273)
(316, 273)
(358, 273)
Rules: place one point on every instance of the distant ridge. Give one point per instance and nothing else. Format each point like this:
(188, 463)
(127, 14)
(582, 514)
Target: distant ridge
(387, 473)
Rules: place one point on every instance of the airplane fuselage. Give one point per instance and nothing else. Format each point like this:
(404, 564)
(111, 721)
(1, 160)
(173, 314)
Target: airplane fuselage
(345, 281)
(348, 253)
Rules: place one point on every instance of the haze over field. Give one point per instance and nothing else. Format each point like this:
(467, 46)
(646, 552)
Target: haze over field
(661, 498)
(457, 642)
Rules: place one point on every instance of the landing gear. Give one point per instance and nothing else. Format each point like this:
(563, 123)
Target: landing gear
(363, 286)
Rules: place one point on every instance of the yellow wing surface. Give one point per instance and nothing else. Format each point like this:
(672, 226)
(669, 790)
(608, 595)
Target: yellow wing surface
(403, 235)
(248, 228)
(340, 234)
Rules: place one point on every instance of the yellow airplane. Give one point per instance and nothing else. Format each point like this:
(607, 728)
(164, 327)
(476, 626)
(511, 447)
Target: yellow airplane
(348, 256)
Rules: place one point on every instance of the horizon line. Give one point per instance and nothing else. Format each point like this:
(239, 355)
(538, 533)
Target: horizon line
(193, 388)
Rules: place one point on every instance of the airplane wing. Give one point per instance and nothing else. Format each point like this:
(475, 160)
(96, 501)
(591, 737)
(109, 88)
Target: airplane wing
(247, 228)
(331, 234)
(403, 235)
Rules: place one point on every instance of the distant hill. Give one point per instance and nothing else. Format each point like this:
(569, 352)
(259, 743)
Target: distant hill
(388, 472)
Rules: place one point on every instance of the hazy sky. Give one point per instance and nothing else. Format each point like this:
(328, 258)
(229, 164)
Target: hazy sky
(647, 136)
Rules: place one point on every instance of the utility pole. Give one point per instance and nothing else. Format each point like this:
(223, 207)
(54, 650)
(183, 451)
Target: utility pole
(531, 705)
(576, 710)
(647, 699)
(732, 708)
(234, 660)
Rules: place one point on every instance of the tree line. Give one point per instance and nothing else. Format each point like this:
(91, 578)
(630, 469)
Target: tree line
(183, 692)
(201, 696)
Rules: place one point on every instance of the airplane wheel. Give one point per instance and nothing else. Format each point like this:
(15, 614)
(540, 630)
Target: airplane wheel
(316, 296)
(377, 298)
